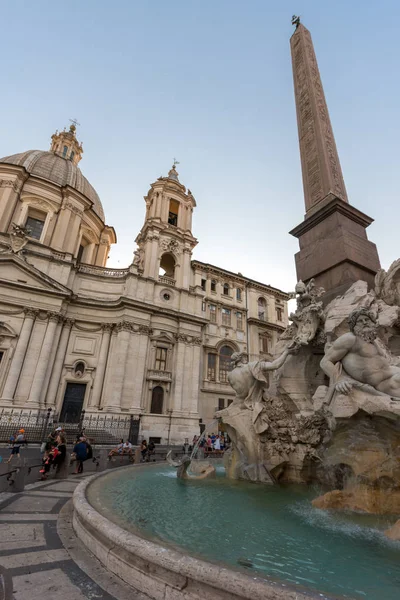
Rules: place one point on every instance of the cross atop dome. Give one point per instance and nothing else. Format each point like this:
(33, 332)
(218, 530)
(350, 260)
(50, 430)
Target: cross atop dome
(66, 145)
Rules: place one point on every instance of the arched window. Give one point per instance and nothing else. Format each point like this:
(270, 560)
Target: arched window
(71, 156)
(224, 363)
(167, 266)
(173, 213)
(226, 289)
(65, 150)
(157, 400)
(262, 309)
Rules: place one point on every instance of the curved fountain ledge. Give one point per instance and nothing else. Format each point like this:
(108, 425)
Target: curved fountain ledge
(163, 573)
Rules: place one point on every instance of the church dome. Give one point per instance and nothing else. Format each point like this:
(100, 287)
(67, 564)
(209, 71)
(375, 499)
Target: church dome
(59, 165)
(58, 170)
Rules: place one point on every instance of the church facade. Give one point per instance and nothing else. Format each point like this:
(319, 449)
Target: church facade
(153, 340)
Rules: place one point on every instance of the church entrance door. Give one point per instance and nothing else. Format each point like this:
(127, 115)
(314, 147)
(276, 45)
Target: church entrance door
(73, 402)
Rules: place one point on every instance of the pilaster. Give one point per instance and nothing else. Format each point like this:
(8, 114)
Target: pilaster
(19, 356)
(95, 398)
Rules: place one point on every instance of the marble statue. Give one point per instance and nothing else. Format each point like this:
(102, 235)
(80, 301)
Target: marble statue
(138, 259)
(249, 380)
(308, 317)
(359, 360)
(201, 469)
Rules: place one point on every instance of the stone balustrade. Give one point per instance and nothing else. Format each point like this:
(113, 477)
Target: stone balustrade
(155, 374)
(167, 280)
(102, 271)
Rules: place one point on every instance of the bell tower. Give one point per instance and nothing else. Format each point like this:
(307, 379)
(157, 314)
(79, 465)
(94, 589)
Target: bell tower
(165, 242)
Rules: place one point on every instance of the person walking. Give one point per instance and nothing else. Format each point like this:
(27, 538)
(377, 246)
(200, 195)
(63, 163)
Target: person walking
(80, 451)
(20, 440)
(59, 459)
(143, 450)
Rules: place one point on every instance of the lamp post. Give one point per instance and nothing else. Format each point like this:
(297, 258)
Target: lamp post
(169, 411)
(134, 427)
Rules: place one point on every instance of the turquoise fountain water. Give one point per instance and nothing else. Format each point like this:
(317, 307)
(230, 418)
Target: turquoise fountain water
(272, 530)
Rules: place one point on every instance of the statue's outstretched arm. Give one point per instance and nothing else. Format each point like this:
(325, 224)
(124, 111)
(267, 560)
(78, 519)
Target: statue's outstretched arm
(275, 364)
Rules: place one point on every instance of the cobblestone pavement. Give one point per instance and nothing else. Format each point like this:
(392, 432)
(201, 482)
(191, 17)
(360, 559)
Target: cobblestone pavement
(41, 553)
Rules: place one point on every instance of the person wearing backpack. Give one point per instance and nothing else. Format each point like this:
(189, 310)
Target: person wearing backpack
(81, 453)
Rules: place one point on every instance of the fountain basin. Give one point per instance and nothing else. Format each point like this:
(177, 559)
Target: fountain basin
(158, 533)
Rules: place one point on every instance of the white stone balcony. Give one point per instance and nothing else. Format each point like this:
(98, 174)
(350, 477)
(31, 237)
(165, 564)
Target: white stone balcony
(155, 375)
(167, 280)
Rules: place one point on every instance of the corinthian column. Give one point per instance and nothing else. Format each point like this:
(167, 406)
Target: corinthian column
(19, 356)
(43, 362)
(94, 401)
(59, 363)
(113, 403)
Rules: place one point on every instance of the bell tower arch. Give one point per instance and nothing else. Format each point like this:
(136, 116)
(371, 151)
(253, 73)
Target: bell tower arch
(165, 242)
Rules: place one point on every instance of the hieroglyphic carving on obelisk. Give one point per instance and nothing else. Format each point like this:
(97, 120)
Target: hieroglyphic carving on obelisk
(322, 174)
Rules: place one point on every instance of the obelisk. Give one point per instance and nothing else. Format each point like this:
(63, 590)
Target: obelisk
(334, 248)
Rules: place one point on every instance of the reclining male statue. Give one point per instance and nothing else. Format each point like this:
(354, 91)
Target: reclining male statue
(359, 360)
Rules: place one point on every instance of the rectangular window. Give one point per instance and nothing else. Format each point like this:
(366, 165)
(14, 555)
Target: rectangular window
(264, 344)
(230, 402)
(211, 366)
(239, 295)
(173, 213)
(203, 284)
(155, 440)
(35, 226)
(213, 313)
(221, 403)
(279, 313)
(226, 317)
(213, 286)
(203, 306)
(161, 359)
(239, 321)
(1, 356)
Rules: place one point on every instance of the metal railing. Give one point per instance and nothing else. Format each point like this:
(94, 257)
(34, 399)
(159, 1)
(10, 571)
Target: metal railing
(37, 426)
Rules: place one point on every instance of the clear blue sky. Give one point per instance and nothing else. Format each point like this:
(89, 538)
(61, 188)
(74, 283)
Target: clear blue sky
(210, 83)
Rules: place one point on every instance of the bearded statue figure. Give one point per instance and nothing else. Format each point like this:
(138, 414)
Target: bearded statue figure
(359, 360)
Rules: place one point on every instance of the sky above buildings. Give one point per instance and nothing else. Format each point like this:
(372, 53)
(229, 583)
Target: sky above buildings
(209, 83)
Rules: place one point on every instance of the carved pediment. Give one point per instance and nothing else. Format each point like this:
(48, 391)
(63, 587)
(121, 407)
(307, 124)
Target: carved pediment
(16, 272)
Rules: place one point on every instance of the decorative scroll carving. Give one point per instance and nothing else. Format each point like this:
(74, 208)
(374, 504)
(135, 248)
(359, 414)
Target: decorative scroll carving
(31, 312)
(73, 208)
(172, 245)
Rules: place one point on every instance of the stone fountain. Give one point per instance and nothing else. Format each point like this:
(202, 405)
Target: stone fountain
(331, 413)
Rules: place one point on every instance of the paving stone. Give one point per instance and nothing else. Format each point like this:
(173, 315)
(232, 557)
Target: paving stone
(45, 584)
(31, 504)
(51, 493)
(28, 559)
(28, 517)
(62, 486)
(21, 535)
